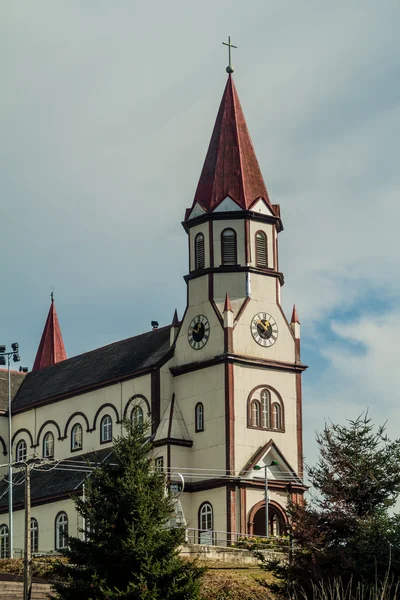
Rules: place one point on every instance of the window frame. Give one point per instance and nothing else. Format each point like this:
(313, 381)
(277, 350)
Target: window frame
(259, 264)
(4, 541)
(199, 238)
(18, 448)
(266, 420)
(276, 417)
(159, 464)
(199, 417)
(255, 408)
(206, 535)
(74, 446)
(57, 533)
(34, 533)
(134, 420)
(45, 444)
(104, 427)
(224, 263)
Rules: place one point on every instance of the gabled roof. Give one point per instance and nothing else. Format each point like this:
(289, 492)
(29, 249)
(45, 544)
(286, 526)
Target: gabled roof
(16, 379)
(231, 167)
(102, 366)
(51, 348)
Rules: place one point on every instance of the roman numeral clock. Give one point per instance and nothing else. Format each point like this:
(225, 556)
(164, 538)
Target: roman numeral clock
(198, 332)
(264, 329)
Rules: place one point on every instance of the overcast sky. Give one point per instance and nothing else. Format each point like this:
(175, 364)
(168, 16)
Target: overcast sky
(106, 112)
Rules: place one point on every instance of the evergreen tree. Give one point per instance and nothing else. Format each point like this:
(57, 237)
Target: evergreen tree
(128, 551)
(347, 531)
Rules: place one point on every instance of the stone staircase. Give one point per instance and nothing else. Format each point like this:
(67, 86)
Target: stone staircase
(13, 590)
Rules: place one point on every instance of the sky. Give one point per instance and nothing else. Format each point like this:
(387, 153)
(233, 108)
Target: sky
(106, 113)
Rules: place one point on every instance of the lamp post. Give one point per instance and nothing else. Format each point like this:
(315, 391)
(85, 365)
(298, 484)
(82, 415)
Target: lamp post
(6, 357)
(274, 463)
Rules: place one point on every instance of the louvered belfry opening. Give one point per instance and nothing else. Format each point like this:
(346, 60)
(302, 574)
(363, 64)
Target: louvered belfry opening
(228, 247)
(261, 249)
(199, 251)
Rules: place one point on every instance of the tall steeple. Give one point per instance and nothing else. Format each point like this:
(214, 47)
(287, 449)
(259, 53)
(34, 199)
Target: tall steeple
(51, 348)
(231, 167)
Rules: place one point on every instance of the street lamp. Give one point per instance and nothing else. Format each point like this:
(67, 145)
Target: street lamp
(5, 357)
(274, 463)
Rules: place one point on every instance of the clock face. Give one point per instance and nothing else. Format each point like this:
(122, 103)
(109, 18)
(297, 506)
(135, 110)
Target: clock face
(264, 329)
(198, 332)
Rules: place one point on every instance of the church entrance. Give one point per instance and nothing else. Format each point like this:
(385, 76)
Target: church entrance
(276, 522)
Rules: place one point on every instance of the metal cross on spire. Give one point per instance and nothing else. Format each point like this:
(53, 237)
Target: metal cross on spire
(229, 68)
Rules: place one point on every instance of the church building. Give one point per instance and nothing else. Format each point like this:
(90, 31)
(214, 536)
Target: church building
(221, 386)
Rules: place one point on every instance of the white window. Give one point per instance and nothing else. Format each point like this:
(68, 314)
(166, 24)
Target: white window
(4, 547)
(160, 464)
(21, 450)
(199, 416)
(265, 404)
(255, 413)
(61, 531)
(48, 445)
(76, 437)
(106, 429)
(206, 524)
(34, 535)
(276, 416)
(137, 415)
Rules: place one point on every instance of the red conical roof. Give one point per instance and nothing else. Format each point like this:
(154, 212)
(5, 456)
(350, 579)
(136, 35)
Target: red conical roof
(51, 348)
(295, 316)
(231, 167)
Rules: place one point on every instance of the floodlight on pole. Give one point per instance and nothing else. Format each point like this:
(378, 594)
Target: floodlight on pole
(274, 463)
(5, 358)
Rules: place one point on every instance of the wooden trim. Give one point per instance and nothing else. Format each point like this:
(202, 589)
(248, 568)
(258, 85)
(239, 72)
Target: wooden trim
(261, 504)
(98, 411)
(171, 415)
(22, 430)
(49, 422)
(230, 510)
(233, 216)
(172, 442)
(209, 484)
(240, 360)
(242, 309)
(235, 269)
(229, 419)
(299, 425)
(101, 429)
(71, 418)
(211, 243)
(250, 401)
(211, 298)
(247, 247)
(243, 528)
(132, 399)
(155, 399)
(3, 445)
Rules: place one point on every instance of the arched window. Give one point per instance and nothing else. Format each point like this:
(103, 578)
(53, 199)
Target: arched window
(276, 416)
(48, 445)
(106, 429)
(206, 524)
(199, 417)
(61, 531)
(21, 450)
(199, 251)
(76, 437)
(255, 413)
(4, 542)
(137, 416)
(34, 535)
(261, 250)
(265, 409)
(228, 247)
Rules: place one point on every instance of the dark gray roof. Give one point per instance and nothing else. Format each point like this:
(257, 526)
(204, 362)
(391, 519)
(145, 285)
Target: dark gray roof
(57, 482)
(114, 362)
(16, 380)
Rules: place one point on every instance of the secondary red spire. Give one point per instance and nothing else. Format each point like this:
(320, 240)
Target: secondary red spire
(231, 167)
(51, 348)
(295, 316)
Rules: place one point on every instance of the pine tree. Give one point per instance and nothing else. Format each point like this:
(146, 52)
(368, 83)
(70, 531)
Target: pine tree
(128, 551)
(346, 531)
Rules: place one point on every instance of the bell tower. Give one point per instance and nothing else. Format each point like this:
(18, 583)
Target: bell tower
(236, 354)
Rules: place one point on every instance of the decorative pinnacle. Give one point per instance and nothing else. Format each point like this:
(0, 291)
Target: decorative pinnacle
(229, 68)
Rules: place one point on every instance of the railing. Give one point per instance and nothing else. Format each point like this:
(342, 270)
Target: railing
(234, 539)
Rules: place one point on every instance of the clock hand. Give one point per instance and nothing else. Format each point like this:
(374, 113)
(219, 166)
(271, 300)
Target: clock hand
(259, 322)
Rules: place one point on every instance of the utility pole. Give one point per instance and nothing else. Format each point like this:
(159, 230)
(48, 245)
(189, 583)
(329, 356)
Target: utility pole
(27, 544)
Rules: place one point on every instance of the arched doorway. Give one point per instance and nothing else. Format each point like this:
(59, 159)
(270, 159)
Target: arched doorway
(276, 520)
